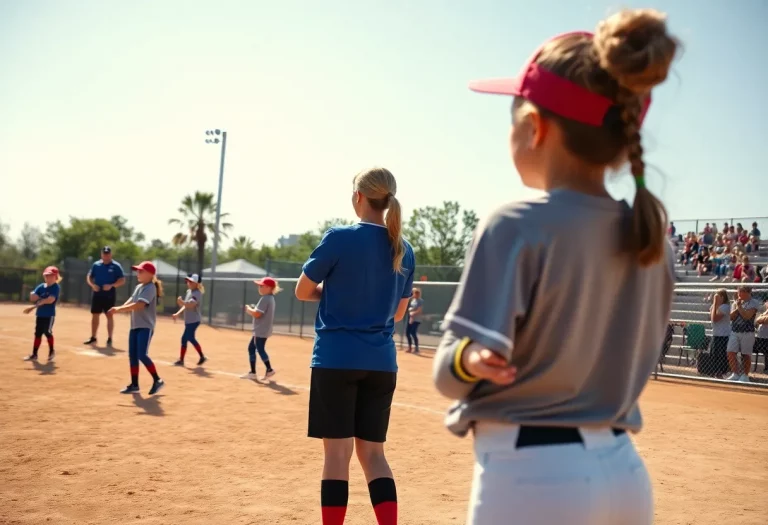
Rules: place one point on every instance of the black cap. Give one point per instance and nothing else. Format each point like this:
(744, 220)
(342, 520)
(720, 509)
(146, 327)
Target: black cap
(106, 249)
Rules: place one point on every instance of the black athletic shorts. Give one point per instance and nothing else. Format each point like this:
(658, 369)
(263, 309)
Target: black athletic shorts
(350, 403)
(102, 302)
(44, 326)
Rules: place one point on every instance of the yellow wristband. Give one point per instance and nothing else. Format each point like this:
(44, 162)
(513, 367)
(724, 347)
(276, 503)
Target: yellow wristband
(458, 368)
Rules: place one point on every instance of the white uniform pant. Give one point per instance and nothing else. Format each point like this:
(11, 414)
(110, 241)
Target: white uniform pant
(600, 482)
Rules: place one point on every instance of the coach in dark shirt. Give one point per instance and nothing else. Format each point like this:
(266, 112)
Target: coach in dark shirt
(104, 278)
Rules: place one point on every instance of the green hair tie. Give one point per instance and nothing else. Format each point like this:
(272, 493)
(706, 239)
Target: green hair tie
(640, 182)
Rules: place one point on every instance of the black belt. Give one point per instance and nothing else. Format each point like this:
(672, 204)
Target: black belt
(540, 436)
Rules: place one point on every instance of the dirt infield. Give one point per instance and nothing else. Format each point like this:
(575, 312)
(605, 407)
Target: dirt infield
(215, 449)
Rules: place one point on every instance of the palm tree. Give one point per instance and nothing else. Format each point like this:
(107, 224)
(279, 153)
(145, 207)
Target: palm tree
(242, 243)
(198, 218)
(242, 248)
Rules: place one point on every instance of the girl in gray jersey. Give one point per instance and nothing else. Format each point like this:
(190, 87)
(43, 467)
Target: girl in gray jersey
(190, 306)
(263, 318)
(415, 313)
(142, 305)
(545, 351)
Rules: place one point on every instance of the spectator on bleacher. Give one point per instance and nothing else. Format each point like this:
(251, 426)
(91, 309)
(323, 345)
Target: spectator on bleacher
(761, 337)
(742, 338)
(727, 264)
(743, 238)
(764, 273)
(754, 239)
(731, 237)
(671, 230)
(707, 237)
(704, 263)
(744, 271)
(719, 245)
(691, 248)
(719, 314)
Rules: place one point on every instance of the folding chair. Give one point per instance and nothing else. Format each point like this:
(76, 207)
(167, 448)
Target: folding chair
(695, 338)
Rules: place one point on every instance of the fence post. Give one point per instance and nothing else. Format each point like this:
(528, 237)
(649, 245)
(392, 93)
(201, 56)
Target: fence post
(301, 324)
(245, 298)
(178, 276)
(290, 315)
(697, 228)
(269, 266)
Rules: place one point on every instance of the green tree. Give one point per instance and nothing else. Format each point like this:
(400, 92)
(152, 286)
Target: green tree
(84, 238)
(29, 242)
(242, 248)
(440, 235)
(197, 220)
(9, 253)
(330, 223)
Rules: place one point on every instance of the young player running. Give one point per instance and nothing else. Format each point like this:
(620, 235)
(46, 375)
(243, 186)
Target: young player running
(190, 306)
(263, 319)
(142, 306)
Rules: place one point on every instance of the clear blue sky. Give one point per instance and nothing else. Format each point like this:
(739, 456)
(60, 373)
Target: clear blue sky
(104, 105)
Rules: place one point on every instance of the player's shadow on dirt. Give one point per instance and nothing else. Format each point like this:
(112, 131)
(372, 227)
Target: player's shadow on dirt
(150, 405)
(45, 369)
(278, 388)
(201, 372)
(108, 351)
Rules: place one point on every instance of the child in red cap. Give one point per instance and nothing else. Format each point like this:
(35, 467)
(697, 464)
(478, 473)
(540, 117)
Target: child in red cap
(45, 296)
(143, 308)
(263, 318)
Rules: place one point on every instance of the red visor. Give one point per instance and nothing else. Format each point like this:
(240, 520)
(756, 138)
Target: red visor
(552, 92)
(147, 266)
(266, 281)
(51, 270)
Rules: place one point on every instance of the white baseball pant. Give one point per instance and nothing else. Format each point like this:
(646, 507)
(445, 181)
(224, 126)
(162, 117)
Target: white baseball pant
(600, 482)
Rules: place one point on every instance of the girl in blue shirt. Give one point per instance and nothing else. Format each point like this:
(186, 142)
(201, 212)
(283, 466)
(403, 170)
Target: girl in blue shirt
(362, 276)
(45, 296)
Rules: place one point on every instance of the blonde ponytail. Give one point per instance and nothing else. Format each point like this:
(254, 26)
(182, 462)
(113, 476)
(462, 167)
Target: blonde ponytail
(379, 186)
(394, 224)
(201, 287)
(59, 279)
(158, 285)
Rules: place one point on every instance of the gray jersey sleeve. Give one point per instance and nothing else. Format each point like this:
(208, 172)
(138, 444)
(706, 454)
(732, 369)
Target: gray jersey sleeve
(497, 285)
(148, 294)
(263, 305)
(192, 300)
(496, 288)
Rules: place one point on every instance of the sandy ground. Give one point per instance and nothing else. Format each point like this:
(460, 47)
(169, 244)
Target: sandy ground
(216, 449)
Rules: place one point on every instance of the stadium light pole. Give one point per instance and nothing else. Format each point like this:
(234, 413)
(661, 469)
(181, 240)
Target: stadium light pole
(213, 138)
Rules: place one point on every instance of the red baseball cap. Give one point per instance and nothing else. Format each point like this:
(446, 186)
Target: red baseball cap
(147, 266)
(266, 281)
(553, 92)
(51, 270)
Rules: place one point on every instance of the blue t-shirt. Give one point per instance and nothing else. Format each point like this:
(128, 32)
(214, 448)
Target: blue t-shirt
(43, 292)
(361, 291)
(108, 273)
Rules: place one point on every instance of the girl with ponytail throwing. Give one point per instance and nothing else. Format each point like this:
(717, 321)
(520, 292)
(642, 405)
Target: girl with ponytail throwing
(362, 275)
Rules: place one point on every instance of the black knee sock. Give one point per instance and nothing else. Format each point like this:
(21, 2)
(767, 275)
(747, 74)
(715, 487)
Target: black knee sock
(253, 367)
(334, 494)
(266, 363)
(384, 500)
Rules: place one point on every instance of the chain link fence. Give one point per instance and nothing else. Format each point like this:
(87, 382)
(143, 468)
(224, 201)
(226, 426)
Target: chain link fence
(690, 350)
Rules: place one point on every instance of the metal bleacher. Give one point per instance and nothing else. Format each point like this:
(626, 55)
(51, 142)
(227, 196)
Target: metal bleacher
(691, 305)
